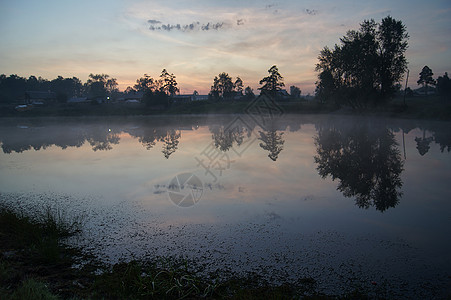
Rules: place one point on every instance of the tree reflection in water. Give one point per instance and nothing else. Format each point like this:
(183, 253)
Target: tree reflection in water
(170, 142)
(102, 141)
(423, 144)
(366, 162)
(271, 141)
(225, 138)
(149, 138)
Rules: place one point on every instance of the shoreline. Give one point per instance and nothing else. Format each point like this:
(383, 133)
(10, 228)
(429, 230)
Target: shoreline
(426, 107)
(42, 267)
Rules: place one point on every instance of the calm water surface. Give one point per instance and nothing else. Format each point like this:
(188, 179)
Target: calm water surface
(349, 201)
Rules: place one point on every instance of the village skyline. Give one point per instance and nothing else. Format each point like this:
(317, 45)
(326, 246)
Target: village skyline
(196, 41)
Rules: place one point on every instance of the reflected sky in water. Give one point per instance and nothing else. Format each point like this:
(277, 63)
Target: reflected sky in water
(327, 197)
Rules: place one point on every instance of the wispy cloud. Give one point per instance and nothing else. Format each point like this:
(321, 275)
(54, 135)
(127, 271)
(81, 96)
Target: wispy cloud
(194, 26)
(246, 37)
(312, 12)
(153, 22)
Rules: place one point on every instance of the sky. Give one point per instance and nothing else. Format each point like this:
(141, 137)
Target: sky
(196, 40)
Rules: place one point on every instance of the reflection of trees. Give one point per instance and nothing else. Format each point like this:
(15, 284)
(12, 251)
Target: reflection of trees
(149, 136)
(423, 143)
(272, 142)
(24, 139)
(443, 138)
(171, 141)
(225, 138)
(439, 134)
(102, 142)
(367, 163)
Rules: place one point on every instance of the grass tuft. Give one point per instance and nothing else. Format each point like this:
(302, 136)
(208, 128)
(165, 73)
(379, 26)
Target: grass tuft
(36, 264)
(32, 289)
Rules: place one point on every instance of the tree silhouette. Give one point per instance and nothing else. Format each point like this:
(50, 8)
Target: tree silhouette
(426, 78)
(14, 87)
(249, 93)
(295, 92)
(367, 164)
(168, 83)
(222, 86)
(156, 98)
(272, 141)
(100, 85)
(366, 67)
(444, 86)
(392, 43)
(145, 83)
(238, 86)
(272, 83)
(325, 86)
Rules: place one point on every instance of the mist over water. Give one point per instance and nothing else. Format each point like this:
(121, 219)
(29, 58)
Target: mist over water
(355, 200)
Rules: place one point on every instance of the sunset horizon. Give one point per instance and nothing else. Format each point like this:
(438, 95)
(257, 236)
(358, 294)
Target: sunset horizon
(197, 41)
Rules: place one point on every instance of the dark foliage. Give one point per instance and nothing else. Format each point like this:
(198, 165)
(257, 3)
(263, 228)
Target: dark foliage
(13, 87)
(444, 86)
(272, 83)
(366, 67)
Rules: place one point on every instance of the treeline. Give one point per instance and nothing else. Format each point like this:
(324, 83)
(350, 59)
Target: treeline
(366, 66)
(364, 69)
(14, 87)
(223, 87)
(152, 91)
(442, 85)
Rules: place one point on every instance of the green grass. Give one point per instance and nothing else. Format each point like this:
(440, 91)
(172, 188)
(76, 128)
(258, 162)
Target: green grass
(32, 247)
(40, 236)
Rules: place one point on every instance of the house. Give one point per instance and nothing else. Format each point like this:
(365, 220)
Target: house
(283, 94)
(182, 98)
(197, 97)
(40, 98)
(132, 96)
(185, 98)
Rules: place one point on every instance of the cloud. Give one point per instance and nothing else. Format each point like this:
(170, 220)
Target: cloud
(214, 26)
(240, 22)
(194, 26)
(153, 21)
(312, 12)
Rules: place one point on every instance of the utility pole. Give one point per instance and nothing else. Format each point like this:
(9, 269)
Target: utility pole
(405, 88)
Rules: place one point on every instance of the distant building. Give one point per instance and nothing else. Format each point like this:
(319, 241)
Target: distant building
(138, 96)
(185, 98)
(309, 97)
(132, 101)
(40, 98)
(198, 97)
(182, 98)
(283, 94)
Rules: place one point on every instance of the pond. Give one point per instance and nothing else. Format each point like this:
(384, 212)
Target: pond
(348, 201)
